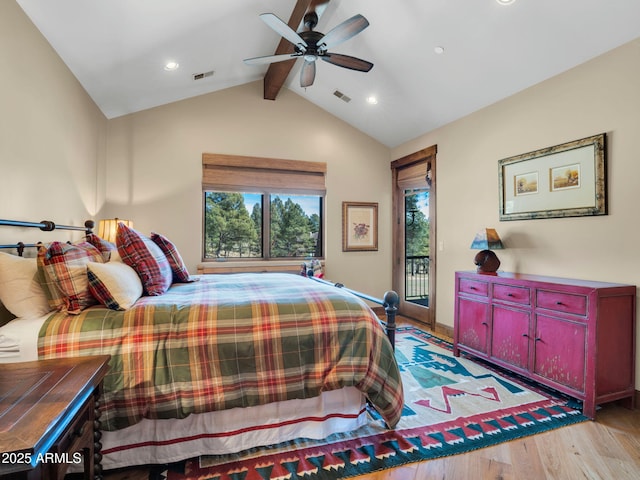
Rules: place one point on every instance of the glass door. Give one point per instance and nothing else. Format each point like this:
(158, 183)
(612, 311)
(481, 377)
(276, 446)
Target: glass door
(417, 227)
(414, 234)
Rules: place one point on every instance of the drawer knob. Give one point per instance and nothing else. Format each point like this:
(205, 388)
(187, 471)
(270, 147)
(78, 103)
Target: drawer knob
(509, 294)
(559, 303)
(525, 335)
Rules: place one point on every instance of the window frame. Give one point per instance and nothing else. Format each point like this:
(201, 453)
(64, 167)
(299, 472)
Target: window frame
(267, 177)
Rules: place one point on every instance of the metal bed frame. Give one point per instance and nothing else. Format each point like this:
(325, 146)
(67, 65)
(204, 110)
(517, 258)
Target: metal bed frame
(390, 301)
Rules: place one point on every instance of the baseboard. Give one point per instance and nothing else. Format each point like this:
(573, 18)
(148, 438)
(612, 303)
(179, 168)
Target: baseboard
(444, 330)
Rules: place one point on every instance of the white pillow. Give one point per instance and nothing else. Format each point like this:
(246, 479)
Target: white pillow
(114, 284)
(115, 257)
(20, 291)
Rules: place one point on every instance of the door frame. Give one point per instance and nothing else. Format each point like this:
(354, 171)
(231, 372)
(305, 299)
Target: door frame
(426, 315)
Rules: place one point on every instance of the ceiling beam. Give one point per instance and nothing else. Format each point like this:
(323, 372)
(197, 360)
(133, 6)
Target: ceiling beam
(278, 72)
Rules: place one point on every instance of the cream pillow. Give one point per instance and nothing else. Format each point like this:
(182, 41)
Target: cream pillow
(20, 292)
(114, 284)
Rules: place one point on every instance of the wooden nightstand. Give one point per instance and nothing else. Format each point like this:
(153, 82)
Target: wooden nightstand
(49, 414)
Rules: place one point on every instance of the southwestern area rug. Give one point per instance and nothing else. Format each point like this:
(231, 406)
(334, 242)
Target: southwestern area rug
(452, 405)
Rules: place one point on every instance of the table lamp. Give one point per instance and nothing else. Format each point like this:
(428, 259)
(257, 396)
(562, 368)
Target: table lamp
(108, 228)
(486, 241)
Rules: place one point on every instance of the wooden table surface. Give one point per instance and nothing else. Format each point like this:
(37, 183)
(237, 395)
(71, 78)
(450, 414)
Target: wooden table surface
(37, 401)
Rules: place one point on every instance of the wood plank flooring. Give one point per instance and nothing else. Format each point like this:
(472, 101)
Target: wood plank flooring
(605, 449)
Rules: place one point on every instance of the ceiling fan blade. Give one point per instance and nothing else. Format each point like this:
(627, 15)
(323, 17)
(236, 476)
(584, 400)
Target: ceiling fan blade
(271, 59)
(283, 29)
(343, 32)
(347, 61)
(308, 74)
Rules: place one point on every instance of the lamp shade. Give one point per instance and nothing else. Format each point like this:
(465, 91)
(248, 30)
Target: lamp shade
(486, 261)
(487, 239)
(107, 229)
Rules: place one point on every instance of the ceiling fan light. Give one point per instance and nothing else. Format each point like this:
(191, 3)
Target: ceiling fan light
(310, 57)
(170, 66)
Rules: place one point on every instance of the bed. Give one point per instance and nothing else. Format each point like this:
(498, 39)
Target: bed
(216, 363)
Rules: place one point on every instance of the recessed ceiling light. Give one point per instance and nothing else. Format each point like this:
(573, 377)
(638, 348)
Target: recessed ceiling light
(505, 2)
(169, 66)
(439, 50)
(371, 100)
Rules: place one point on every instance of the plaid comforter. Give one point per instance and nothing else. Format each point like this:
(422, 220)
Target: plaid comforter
(230, 341)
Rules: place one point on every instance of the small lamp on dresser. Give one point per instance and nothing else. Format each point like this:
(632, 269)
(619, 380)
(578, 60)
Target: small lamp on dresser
(486, 241)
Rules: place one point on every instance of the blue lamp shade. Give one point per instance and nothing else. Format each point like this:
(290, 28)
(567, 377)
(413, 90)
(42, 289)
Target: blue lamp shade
(486, 261)
(487, 239)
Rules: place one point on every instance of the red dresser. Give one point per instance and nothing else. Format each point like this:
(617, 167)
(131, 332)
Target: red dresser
(575, 336)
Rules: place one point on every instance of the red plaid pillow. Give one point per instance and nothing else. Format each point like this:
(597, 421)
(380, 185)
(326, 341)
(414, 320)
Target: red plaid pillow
(179, 269)
(146, 258)
(63, 274)
(101, 244)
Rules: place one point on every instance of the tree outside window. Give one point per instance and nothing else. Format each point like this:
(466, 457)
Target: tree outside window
(236, 225)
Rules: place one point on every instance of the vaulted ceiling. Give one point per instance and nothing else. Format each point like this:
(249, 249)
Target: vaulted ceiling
(434, 60)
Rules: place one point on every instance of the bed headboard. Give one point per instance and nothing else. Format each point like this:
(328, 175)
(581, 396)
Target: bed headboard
(18, 247)
(45, 226)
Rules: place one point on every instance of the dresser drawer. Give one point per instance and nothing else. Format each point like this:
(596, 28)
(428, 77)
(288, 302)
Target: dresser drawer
(74, 437)
(562, 302)
(474, 287)
(511, 293)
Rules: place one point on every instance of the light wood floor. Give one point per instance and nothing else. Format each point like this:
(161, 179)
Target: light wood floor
(605, 449)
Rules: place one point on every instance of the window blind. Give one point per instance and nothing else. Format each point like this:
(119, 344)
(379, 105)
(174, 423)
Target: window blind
(413, 176)
(239, 173)
(415, 170)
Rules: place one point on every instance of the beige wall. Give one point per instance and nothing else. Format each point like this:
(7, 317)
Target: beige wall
(155, 169)
(599, 96)
(51, 133)
(61, 160)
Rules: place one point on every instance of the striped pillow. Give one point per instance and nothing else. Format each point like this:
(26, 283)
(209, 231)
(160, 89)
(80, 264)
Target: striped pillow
(115, 284)
(179, 269)
(146, 258)
(63, 274)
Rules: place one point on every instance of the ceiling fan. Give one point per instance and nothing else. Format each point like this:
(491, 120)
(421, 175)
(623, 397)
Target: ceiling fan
(312, 45)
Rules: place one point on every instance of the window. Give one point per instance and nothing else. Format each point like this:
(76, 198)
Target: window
(262, 208)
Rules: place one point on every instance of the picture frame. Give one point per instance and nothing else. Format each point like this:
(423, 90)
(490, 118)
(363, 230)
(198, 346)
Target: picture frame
(359, 226)
(567, 180)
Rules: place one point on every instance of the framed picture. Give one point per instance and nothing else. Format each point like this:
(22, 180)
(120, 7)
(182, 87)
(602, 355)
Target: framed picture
(566, 176)
(567, 180)
(359, 226)
(525, 183)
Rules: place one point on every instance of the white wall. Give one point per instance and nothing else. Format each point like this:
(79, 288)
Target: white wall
(52, 135)
(61, 160)
(154, 169)
(599, 96)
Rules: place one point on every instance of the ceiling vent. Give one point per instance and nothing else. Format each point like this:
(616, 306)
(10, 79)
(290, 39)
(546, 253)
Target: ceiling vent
(200, 76)
(342, 96)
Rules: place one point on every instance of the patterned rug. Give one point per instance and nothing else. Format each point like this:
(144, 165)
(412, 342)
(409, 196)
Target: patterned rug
(452, 405)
